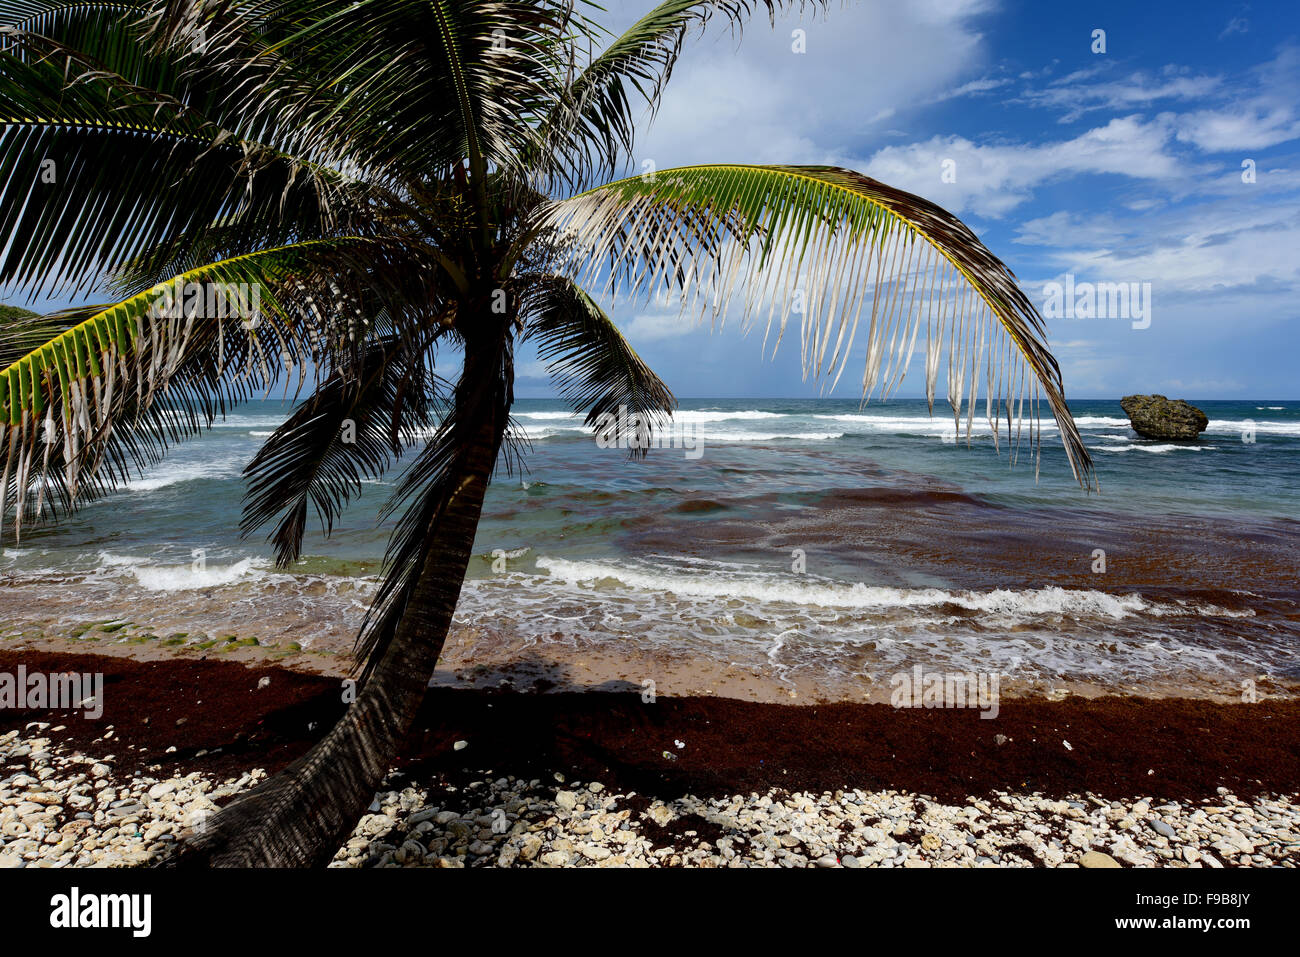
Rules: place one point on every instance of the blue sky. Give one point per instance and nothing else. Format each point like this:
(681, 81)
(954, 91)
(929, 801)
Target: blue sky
(1122, 166)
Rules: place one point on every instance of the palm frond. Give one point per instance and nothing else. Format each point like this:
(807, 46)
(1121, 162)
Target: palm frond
(202, 341)
(70, 209)
(594, 368)
(354, 425)
(627, 78)
(408, 86)
(45, 16)
(825, 243)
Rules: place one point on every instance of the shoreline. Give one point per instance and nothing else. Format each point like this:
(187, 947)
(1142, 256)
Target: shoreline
(478, 658)
(688, 581)
(1190, 608)
(1139, 782)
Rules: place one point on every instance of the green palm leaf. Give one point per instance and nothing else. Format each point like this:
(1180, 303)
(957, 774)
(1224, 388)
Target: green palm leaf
(204, 340)
(352, 427)
(409, 86)
(70, 209)
(825, 244)
(593, 366)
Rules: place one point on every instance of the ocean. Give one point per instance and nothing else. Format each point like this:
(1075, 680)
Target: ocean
(807, 543)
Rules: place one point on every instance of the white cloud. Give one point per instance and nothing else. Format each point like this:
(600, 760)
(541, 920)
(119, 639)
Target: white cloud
(1201, 261)
(1064, 228)
(1256, 112)
(757, 101)
(1235, 129)
(1260, 114)
(1135, 91)
(658, 325)
(531, 370)
(972, 88)
(991, 180)
(1224, 247)
(1235, 25)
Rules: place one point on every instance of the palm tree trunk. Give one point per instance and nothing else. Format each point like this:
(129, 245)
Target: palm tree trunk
(301, 816)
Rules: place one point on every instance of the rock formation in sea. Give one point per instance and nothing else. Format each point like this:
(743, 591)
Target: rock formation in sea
(1155, 417)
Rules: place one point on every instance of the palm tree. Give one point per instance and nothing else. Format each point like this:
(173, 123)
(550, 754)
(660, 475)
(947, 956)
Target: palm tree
(345, 190)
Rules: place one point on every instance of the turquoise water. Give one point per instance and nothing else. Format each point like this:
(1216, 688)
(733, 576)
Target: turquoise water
(910, 537)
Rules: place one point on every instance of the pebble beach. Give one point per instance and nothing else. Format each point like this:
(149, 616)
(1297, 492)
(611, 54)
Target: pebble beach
(69, 809)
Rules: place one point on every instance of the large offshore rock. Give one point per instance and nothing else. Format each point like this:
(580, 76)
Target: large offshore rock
(1155, 417)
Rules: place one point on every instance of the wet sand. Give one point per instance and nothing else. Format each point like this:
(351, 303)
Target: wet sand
(482, 659)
